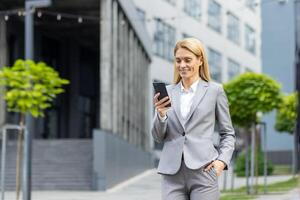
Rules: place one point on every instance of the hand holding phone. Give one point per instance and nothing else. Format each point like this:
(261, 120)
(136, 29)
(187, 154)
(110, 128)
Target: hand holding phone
(162, 102)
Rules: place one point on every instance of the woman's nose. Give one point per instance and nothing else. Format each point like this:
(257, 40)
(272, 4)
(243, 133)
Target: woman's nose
(182, 65)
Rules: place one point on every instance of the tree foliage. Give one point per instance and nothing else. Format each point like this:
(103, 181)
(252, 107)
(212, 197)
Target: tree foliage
(286, 114)
(30, 87)
(251, 93)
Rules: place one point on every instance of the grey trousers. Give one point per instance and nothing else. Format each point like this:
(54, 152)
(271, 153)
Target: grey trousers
(188, 184)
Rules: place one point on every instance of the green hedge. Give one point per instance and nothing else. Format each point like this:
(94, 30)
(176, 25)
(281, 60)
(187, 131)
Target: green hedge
(240, 164)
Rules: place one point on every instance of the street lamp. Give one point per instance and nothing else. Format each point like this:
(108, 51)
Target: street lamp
(30, 5)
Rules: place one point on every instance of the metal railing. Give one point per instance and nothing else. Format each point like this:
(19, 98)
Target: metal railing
(4, 131)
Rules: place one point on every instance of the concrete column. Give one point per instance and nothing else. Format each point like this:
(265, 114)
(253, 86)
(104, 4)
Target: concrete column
(121, 74)
(115, 57)
(142, 91)
(105, 65)
(136, 92)
(131, 86)
(142, 99)
(149, 106)
(126, 79)
(3, 62)
(146, 105)
(139, 97)
(135, 112)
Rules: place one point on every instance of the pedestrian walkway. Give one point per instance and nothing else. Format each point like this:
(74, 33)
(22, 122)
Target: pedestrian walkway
(143, 187)
(291, 195)
(226, 181)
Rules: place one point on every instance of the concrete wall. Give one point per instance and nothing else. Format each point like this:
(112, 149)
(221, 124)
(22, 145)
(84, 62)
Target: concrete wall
(115, 160)
(278, 47)
(124, 67)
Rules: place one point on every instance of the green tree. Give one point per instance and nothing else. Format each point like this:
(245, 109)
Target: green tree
(29, 87)
(249, 94)
(286, 114)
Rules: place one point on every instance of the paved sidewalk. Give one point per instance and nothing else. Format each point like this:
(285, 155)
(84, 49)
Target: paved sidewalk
(143, 187)
(241, 181)
(291, 195)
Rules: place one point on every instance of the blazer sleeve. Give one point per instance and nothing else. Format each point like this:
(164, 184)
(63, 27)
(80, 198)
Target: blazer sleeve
(159, 128)
(226, 130)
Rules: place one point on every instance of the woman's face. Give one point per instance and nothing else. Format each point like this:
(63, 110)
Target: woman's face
(187, 64)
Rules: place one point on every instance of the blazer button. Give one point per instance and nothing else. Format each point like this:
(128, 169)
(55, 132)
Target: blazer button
(183, 134)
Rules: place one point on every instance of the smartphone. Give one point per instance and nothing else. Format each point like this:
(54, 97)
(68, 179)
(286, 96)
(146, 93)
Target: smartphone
(161, 88)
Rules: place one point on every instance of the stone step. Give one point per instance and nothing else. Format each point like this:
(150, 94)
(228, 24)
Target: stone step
(56, 165)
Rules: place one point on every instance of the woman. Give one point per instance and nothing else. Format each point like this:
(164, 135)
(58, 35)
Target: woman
(189, 162)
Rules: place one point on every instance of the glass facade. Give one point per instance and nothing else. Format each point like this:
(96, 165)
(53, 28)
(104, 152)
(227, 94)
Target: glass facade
(193, 8)
(164, 39)
(233, 68)
(251, 4)
(214, 16)
(142, 15)
(215, 61)
(233, 28)
(250, 39)
(173, 2)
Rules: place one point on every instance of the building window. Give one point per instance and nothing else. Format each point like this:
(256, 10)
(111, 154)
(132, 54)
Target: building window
(192, 8)
(214, 15)
(251, 4)
(164, 40)
(172, 2)
(185, 35)
(141, 15)
(214, 61)
(233, 69)
(233, 28)
(247, 69)
(250, 39)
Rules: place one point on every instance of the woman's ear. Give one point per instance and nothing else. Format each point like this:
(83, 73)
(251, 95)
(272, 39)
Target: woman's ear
(199, 60)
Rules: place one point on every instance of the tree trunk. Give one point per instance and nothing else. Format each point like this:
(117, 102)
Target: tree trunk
(253, 141)
(19, 157)
(246, 139)
(257, 148)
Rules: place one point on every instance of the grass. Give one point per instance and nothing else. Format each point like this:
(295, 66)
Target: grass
(240, 193)
(282, 170)
(237, 197)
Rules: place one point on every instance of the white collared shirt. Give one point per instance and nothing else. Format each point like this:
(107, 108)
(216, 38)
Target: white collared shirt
(186, 100)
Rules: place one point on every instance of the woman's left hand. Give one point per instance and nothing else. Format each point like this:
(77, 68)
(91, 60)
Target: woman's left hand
(218, 165)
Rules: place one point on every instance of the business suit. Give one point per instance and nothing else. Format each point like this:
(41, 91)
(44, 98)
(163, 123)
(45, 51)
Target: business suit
(188, 143)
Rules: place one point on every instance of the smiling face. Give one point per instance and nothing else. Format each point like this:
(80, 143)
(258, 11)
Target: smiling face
(187, 64)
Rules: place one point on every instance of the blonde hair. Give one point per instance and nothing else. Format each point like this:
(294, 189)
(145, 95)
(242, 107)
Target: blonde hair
(195, 46)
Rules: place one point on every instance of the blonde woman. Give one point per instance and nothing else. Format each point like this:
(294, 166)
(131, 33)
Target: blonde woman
(189, 162)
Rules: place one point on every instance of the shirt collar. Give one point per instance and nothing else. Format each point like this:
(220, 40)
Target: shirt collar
(193, 87)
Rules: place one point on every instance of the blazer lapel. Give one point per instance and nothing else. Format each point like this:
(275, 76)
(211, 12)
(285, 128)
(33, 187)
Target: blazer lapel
(200, 92)
(176, 103)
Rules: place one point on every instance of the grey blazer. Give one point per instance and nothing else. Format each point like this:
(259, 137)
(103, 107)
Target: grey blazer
(193, 137)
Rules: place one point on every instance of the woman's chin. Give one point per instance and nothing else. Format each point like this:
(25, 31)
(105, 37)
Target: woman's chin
(185, 76)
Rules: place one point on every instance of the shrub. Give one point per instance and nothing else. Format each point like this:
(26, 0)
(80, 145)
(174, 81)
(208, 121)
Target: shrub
(240, 164)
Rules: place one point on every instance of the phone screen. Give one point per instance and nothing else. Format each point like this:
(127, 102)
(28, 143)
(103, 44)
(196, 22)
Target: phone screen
(161, 88)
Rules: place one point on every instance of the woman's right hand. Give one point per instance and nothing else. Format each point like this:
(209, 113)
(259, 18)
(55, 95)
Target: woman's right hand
(160, 105)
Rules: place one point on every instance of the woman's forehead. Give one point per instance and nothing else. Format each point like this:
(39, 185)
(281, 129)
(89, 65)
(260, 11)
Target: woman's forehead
(184, 53)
